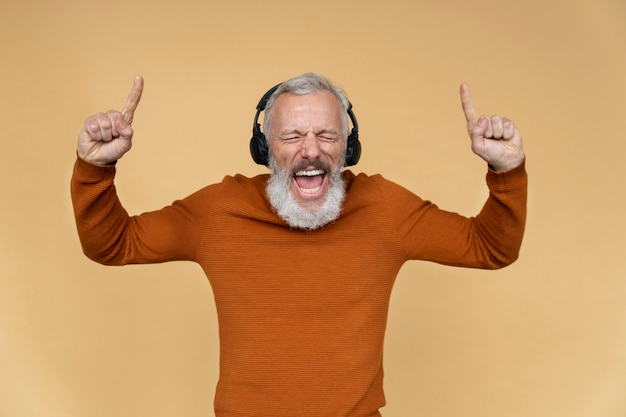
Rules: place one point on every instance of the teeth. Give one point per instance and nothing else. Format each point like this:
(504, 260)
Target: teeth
(310, 190)
(309, 173)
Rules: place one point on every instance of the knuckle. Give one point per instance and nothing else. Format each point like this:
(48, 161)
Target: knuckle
(97, 123)
(113, 115)
(92, 126)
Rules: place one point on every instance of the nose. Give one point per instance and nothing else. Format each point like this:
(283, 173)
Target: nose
(310, 147)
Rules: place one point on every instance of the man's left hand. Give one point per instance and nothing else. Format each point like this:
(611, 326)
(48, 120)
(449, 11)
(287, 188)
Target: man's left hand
(495, 139)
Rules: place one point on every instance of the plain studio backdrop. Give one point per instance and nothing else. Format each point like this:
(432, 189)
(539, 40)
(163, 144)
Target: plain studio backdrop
(544, 337)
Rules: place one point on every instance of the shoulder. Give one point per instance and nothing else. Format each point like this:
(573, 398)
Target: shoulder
(357, 180)
(242, 183)
(233, 187)
(383, 196)
(362, 184)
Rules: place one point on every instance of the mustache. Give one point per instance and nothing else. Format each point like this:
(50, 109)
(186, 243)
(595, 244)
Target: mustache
(317, 164)
(299, 166)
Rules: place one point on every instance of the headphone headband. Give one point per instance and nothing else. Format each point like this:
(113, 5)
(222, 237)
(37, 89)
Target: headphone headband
(259, 148)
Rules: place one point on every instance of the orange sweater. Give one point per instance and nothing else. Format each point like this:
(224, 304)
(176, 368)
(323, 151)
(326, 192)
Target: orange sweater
(302, 315)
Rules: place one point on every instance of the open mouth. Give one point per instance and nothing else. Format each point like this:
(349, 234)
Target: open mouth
(310, 182)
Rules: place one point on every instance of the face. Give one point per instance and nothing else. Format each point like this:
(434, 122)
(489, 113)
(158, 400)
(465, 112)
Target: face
(306, 141)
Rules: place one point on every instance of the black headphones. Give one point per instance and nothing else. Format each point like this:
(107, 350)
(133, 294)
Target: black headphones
(260, 149)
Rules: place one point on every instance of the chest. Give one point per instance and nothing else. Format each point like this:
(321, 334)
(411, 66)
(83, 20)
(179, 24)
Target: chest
(257, 263)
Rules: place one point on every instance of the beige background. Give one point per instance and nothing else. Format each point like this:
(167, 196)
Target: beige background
(545, 337)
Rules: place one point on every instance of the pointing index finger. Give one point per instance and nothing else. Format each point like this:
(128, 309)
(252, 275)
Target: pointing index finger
(128, 112)
(468, 106)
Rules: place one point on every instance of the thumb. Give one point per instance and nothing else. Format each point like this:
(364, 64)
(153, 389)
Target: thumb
(480, 129)
(124, 129)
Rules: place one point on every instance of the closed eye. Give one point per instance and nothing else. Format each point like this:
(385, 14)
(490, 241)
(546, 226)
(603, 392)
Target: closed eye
(291, 136)
(324, 135)
(327, 135)
(328, 138)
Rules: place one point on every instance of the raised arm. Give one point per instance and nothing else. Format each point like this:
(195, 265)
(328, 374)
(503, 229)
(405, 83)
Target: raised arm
(107, 233)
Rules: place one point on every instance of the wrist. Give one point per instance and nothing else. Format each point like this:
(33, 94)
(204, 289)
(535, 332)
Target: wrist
(92, 161)
(507, 165)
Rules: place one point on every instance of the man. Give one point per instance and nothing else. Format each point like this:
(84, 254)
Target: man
(301, 261)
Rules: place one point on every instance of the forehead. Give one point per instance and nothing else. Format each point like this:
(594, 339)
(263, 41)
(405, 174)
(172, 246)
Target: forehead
(320, 108)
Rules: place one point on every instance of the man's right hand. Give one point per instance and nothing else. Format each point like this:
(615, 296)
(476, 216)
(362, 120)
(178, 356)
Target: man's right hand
(106, 137)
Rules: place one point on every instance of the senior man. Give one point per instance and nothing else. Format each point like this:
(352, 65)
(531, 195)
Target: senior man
(301, 260)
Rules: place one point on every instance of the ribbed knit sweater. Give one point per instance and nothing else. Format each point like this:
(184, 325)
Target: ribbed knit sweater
(302, 314)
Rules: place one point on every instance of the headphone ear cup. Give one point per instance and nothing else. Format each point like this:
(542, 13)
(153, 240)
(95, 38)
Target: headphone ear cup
(259, 149)
(353, 149)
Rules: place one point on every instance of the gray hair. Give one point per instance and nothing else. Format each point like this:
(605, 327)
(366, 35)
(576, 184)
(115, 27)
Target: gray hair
(308, 83)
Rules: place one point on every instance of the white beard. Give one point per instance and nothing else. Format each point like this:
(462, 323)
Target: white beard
(299, 216)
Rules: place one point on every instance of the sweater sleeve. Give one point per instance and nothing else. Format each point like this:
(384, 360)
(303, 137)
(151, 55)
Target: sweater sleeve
(490, 240)
(110, 236)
